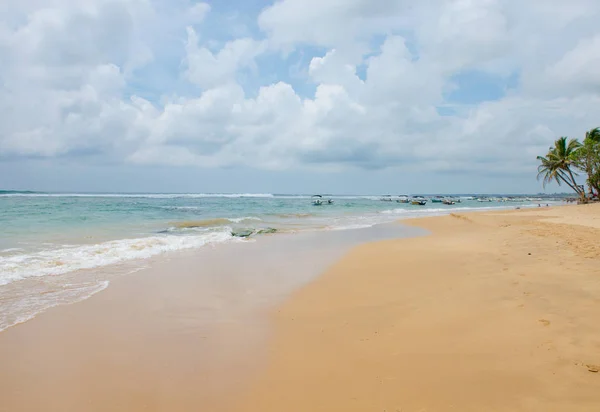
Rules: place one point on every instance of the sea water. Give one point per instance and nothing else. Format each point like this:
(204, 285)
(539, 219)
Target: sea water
(60, 248)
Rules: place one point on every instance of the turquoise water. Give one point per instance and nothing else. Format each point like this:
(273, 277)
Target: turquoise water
(49, 241)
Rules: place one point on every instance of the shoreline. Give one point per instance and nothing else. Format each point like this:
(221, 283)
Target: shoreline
(72, 273)
(189, 330)
(463, 313)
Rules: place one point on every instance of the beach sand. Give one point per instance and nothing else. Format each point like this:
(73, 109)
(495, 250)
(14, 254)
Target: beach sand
(183, 335)
(490, 312)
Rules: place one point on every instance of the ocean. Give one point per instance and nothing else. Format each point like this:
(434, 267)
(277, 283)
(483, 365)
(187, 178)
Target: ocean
(61, 248)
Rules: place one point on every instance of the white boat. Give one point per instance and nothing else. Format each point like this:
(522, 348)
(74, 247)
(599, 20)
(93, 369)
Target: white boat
(317, 200)
(448, 201)
(386, 198)
(402, 199)
(418, 201)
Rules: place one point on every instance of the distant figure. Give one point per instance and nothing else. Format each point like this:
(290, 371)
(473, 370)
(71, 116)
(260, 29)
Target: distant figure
(539, 205)
(547, 205)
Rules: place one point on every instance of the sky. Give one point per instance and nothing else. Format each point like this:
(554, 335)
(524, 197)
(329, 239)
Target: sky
(292, 96)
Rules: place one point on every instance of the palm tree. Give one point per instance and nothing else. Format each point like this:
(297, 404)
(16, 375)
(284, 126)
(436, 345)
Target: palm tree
(557, 164)
(593, 135)
(588, 159)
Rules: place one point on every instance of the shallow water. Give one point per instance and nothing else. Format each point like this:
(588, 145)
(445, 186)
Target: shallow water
(185, 333)
(60, 248)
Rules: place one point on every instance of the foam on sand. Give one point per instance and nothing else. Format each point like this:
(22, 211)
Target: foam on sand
(191, 224)
(70, 258)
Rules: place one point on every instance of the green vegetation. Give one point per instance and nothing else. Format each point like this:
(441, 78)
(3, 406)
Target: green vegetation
(567, 157)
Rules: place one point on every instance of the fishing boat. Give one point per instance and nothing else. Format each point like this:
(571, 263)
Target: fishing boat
(318, 200)
(402, 199)
(386, 198)
(418, 201)
(448, 202)
(437, 199)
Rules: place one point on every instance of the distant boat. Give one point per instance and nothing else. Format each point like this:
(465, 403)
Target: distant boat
(317, 200)
(386, 198)
(437, 199)
(448, 202)
(402, 199)
(418, 201)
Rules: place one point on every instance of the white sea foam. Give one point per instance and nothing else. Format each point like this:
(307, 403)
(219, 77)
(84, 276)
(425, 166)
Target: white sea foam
(338, 197)
(392, 215)
(26, 308)
(186, 195)
(243, 219)
(67, 259)
(181, 207)
(352, 226)
(425, 211)
(141, 195)
(11, 250)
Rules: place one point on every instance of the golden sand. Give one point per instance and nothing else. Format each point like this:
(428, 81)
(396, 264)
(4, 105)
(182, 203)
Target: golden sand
(492, 312)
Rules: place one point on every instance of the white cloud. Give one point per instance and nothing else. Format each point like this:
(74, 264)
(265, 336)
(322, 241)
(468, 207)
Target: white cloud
(382, 71)
(575, 73)
(332, 22)
(198, 12)
(463, 34)
(208, 69)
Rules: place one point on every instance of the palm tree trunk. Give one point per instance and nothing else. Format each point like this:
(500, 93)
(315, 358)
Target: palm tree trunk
(575, 186)
(595, 188)
(566, 180)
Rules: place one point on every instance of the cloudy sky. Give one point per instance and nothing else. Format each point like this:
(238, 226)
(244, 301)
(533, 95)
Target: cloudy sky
(342, 96)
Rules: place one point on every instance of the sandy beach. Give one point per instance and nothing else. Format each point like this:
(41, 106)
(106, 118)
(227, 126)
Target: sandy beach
(187, 333)
(494, 311)
(299, 206)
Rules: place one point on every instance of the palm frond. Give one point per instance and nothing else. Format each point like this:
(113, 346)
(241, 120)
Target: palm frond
(593, 135)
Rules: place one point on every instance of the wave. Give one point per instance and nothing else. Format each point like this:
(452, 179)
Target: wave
(180, 207)
(193, 224)
(26, 308)
(68, 259)
(13, 192)
(353, 226)
(11, 250)
(294, 215)
(350, 197)
(342, 197)
(445, 210)
(244, 219)
(140, 195)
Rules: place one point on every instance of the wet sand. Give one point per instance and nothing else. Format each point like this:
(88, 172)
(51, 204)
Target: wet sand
(184, 335)
(492, 312)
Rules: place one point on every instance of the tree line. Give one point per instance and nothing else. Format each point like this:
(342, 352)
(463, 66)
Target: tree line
(569, 157)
